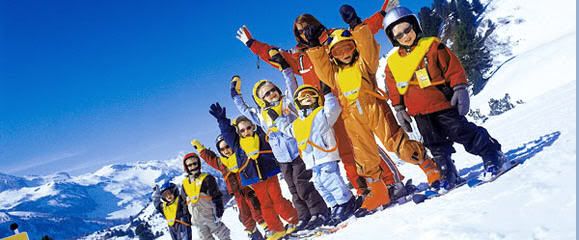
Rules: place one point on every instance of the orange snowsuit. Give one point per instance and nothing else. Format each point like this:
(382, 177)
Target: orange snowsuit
(368, 113)
(301, 65)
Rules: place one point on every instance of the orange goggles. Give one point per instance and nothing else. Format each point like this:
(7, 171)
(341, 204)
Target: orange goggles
(302, 95)
(345, 48)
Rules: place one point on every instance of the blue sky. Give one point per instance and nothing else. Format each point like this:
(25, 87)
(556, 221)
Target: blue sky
(89, 83)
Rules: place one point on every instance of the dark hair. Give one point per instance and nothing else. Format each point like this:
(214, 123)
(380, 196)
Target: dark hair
(307, 19)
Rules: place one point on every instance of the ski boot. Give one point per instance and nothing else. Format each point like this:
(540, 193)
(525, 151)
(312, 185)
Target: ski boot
(317, 221)
(277, 235)
(494, 164)
(399, 191)
(255, 235)
(290, 228)
(450, 177)
(347, 209)
(376, 199)
(302, 224)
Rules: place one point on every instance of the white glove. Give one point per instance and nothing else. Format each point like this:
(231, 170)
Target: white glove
(244, 35)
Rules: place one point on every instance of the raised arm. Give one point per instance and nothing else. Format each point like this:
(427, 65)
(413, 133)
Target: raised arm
(208, 156)
(367, 46)
(240, 104)
(261, 49)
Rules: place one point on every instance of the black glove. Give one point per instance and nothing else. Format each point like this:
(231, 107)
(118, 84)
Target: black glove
(349, 16)
(313, 34)
(272, 114)
(217, 111)
(277, 59)
(325, 88)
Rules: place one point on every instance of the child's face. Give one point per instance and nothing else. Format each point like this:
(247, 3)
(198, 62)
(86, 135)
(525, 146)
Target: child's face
(344, 51)
(168, 196)
(225, 149)
(269, 93)
(245, 129)
(307, 97)
(404, 34)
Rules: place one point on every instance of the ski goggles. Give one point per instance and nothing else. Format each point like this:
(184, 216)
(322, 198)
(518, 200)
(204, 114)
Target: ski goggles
(305, 94)
(343, 49)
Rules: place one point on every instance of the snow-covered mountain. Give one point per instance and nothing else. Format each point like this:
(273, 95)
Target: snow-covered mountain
(535, 56)
(66, 207)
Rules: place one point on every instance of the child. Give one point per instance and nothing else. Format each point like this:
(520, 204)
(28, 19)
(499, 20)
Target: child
(258, 169)
(247, 203)
(425, 80)
(271, 102)
(203, 200)
(317, 143)
(348, 63)
(169, 201)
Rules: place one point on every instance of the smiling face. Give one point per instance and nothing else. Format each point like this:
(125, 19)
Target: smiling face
(245, 129)
(192, 164)
(168, 196)
(404, 34)
(307, 97)
(225, 149)
(344, 51)
(269, 93)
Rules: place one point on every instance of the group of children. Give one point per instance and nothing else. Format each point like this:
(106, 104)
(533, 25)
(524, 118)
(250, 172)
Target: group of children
(335, 115)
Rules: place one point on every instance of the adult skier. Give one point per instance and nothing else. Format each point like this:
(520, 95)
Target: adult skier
(247, 202)
(258, 169)
(204, 200)
(426, 80)
(169, 201)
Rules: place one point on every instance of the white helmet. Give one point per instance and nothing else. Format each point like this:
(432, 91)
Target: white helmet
(398, 15)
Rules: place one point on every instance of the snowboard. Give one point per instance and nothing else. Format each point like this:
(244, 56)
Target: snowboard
(475, 182)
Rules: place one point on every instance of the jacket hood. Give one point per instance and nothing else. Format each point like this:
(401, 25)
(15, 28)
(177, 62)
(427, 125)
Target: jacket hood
(261, 103)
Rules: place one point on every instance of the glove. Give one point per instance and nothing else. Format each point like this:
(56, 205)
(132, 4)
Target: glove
(217, 111)
(349, 16)
(235, 86)
(244, 36)
(312, 34)
(156, 194)
(277, 59)
(197, 145)
(460, 99)
(403, 118)
(272, 114)
(325, 88)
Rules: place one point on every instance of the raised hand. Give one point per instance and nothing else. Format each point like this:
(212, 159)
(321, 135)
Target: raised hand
(217, 111)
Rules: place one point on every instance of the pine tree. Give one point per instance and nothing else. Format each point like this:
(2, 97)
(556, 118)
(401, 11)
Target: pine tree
(429, 21)
(477, 6)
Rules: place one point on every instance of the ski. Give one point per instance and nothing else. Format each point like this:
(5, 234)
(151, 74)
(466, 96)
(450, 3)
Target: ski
(430, 194)
(474, 182)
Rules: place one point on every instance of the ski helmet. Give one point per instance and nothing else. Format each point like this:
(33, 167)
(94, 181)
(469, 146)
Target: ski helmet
(337, 36)
(169, 186)
(398, 15)
(217, 141)
(196, 158)
(260, 102)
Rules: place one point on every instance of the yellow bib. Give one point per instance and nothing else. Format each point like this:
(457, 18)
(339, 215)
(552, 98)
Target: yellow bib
(251, 146)
(350, 81)
(170, 211)
(268, 121)
(303, 129)
(403, 68)
(230, 163)
(193, 189)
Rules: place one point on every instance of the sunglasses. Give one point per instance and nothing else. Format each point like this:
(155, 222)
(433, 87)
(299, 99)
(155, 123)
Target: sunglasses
(269, 93)
(224, 148)
(406, 31)
(246, 129)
